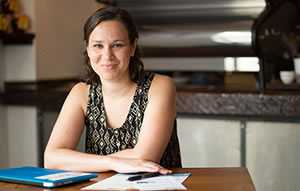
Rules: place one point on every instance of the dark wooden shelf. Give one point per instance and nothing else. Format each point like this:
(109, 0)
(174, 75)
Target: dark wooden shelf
(279, 86)
(16, 38)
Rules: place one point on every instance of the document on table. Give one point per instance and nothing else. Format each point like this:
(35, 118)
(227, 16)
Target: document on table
(119, 182)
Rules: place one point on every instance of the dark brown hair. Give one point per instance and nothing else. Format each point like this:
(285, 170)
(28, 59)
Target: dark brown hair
(136, 66)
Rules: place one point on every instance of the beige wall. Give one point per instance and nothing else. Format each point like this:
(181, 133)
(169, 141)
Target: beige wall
(2, 67)
(19, 60)
(59, 41)
(209, 142)
(3, 138)
(58, 45)
(3, 129)
(19, 63)
(55, 53)
(3, 141)
(22, 136)
(273, 155)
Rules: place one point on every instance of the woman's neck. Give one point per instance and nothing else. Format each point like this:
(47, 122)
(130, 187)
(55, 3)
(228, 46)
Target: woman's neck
(118, 88)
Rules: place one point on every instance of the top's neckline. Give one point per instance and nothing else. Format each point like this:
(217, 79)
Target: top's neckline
(129, 111)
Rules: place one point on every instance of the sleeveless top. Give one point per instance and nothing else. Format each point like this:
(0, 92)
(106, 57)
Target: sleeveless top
(104, 140)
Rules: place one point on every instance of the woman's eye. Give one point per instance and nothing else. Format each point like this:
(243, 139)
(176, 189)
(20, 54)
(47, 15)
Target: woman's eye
(97, 45)
(118, 45)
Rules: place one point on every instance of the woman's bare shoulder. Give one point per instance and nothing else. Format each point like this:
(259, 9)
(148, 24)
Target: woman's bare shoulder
(79, 93)
(80, 88)
(163, 81)
(162, 84)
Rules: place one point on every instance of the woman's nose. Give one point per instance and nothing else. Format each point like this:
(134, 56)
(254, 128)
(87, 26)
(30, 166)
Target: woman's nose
(107, 53)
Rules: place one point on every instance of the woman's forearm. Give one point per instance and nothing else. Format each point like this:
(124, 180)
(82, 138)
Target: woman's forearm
(127, 153)
(77, 161)
(134, 154)
(67, 159)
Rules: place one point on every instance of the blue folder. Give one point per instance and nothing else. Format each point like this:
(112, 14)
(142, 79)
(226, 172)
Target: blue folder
(43, 177)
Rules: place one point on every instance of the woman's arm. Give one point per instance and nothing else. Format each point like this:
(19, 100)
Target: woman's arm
(61, 148)
(158, 122)
(60, 151)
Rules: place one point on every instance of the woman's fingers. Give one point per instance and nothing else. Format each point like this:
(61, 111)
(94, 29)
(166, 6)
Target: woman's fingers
(157, 168)
(137, 165)
(148, 168)
(165, 171)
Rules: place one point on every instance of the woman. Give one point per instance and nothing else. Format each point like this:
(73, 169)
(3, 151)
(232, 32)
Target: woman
(128, 114)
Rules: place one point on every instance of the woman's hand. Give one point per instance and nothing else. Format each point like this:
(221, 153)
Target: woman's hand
(124, 165)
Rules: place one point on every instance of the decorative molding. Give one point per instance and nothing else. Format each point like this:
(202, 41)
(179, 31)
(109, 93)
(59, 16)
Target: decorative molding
(239, 104)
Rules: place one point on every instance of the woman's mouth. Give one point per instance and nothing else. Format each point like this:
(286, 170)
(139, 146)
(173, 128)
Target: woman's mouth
(108, 66)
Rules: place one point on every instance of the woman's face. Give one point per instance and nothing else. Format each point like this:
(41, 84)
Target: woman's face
(109, 50)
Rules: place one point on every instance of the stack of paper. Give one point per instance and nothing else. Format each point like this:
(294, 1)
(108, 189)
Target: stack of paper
(119, 182)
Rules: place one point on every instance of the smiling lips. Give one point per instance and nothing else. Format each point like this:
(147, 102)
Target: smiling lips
(108, 66)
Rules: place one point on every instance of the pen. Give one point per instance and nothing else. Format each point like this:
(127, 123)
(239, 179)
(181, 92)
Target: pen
(144, 176)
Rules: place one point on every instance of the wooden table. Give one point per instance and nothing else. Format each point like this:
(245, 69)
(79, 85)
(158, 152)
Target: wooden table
(202, 179)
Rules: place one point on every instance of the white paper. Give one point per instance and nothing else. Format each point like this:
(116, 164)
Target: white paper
(180, 176)
(119, 182)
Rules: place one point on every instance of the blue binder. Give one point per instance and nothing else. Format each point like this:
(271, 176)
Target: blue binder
(43, 177)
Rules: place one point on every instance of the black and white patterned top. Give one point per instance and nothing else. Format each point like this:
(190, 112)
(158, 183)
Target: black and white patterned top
(104, 140)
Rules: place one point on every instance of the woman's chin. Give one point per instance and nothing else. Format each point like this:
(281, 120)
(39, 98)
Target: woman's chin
(109, 75)
(113, 75)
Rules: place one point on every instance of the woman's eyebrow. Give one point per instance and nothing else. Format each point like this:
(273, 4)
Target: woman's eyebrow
(98, 41)
(119, 40)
